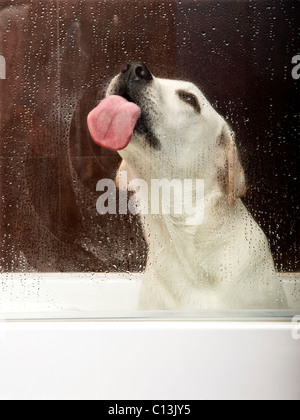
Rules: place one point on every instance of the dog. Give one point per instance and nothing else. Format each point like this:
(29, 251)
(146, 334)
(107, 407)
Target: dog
(224, 262)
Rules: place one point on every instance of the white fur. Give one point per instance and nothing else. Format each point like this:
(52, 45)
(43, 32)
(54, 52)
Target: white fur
(225, 262)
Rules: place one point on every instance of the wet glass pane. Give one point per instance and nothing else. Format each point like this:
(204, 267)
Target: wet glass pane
(58, 59)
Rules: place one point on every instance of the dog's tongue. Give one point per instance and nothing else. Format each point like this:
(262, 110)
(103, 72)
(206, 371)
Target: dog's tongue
(112, 122)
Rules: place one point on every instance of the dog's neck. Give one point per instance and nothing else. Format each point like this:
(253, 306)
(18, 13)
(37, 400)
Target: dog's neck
(205, 209)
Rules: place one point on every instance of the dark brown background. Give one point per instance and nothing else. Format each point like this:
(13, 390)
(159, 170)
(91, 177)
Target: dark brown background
(60, 56)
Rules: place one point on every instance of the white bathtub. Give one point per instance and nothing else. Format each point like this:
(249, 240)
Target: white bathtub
(44, 296)
(77, 337)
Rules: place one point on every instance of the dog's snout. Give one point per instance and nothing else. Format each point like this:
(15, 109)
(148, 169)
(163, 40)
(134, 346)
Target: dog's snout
(137, 72)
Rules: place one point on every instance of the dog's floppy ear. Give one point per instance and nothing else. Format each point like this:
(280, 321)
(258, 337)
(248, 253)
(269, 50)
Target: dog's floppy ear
(231, 174)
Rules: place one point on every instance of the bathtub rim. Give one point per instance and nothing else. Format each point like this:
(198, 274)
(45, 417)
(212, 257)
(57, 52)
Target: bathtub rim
(37, 292)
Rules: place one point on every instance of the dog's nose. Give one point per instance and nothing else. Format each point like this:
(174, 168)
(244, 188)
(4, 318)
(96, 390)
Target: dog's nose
(137, 72)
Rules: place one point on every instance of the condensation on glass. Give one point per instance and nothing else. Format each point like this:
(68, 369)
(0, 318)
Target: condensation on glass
(59, 58)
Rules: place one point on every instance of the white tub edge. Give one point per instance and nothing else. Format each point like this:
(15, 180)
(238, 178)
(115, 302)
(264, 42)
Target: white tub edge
(65, 295)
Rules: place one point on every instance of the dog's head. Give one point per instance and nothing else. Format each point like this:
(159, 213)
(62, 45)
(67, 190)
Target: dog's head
(179, 134)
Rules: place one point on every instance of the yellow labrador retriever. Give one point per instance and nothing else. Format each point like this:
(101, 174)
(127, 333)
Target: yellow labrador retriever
(166, 129)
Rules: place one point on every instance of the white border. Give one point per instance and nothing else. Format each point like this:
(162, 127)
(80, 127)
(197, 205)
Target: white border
(149, 361)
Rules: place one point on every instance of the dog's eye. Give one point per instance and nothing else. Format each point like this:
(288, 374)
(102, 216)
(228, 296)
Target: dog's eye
(190, 99)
